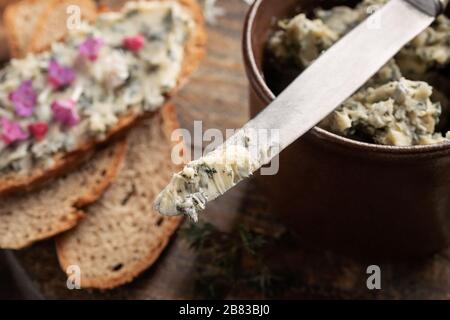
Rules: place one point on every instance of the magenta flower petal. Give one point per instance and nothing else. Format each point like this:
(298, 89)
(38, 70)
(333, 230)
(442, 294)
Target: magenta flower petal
(38, 130)
(59, 76)
(134, 43)
(90, 48)
(12, 131)
(64, 112)
(24, 99)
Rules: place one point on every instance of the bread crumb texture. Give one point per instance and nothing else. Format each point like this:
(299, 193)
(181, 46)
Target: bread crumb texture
(122, 235)
(54, 208)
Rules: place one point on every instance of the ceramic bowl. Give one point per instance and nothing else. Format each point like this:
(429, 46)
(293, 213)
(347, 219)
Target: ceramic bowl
(357, 198)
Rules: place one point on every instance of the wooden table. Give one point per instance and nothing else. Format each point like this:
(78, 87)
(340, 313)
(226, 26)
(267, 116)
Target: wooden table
(217, 94)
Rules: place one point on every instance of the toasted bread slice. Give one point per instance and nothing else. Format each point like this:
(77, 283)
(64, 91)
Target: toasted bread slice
(11, 182)
(122, 235)
(111, 4)
(5, 3)
(20, 21)
(51, 27)
(4, 50)
(55, 208)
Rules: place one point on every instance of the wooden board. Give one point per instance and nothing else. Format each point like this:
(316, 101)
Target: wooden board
(217, 95)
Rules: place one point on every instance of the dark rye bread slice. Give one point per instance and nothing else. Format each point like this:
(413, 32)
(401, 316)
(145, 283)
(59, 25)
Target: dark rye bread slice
(55, 207)
(12, 182)
(122, 235)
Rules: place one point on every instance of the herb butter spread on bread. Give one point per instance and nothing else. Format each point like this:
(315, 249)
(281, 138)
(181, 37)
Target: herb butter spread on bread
(388, 109)
(101, 78)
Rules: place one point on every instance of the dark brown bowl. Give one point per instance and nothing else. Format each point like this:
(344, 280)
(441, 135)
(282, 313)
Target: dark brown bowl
(354, 197)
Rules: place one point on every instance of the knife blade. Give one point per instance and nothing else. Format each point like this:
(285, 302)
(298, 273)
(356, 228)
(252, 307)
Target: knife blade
(341, 71)
(313, 95)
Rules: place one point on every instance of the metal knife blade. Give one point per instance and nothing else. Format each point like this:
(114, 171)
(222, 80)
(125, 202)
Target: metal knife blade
(328, 82)
(341, 71)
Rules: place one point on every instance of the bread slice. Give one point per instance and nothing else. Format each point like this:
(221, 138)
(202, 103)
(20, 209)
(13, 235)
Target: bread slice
(55, 208)
(20, 20)
(111, 4)
(122, 235)
(194, 51)
(5, 3)
(52, 25)
(4, 50)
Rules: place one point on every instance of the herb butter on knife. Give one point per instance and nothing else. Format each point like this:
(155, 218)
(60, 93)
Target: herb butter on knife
(204, 180)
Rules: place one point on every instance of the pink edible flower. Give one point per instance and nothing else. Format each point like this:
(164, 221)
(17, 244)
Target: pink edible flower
(64, 112)
(60, 76)
(90, 48)
(24, 99)
(38, 130)
(12, 131)
(133, 43)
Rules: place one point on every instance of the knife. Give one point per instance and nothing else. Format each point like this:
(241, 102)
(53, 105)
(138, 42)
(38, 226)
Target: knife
(313, 95)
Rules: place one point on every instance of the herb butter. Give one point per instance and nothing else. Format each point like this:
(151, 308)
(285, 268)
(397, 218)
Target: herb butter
(78, 90)
(204, 180)
(429, 49)
(388, 109)
(399, 113)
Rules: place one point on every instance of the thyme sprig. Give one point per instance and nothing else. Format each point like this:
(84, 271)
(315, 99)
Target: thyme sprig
(236, 261)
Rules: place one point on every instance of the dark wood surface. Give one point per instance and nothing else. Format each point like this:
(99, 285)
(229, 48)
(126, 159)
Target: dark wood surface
(217, 95)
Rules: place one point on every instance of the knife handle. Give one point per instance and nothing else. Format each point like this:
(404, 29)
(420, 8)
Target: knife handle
(433, 7)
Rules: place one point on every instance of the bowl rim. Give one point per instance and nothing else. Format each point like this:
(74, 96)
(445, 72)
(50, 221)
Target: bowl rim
(265, 93)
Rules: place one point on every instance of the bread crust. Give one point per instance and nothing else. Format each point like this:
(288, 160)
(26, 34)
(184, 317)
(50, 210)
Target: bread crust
(5, 3)
(71, 218)
(88, 14)
(194, 51)
(170, 123)
(12, 34)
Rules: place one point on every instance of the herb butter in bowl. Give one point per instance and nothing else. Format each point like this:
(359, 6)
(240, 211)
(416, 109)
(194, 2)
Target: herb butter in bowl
(373, 178)
(390, 109)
